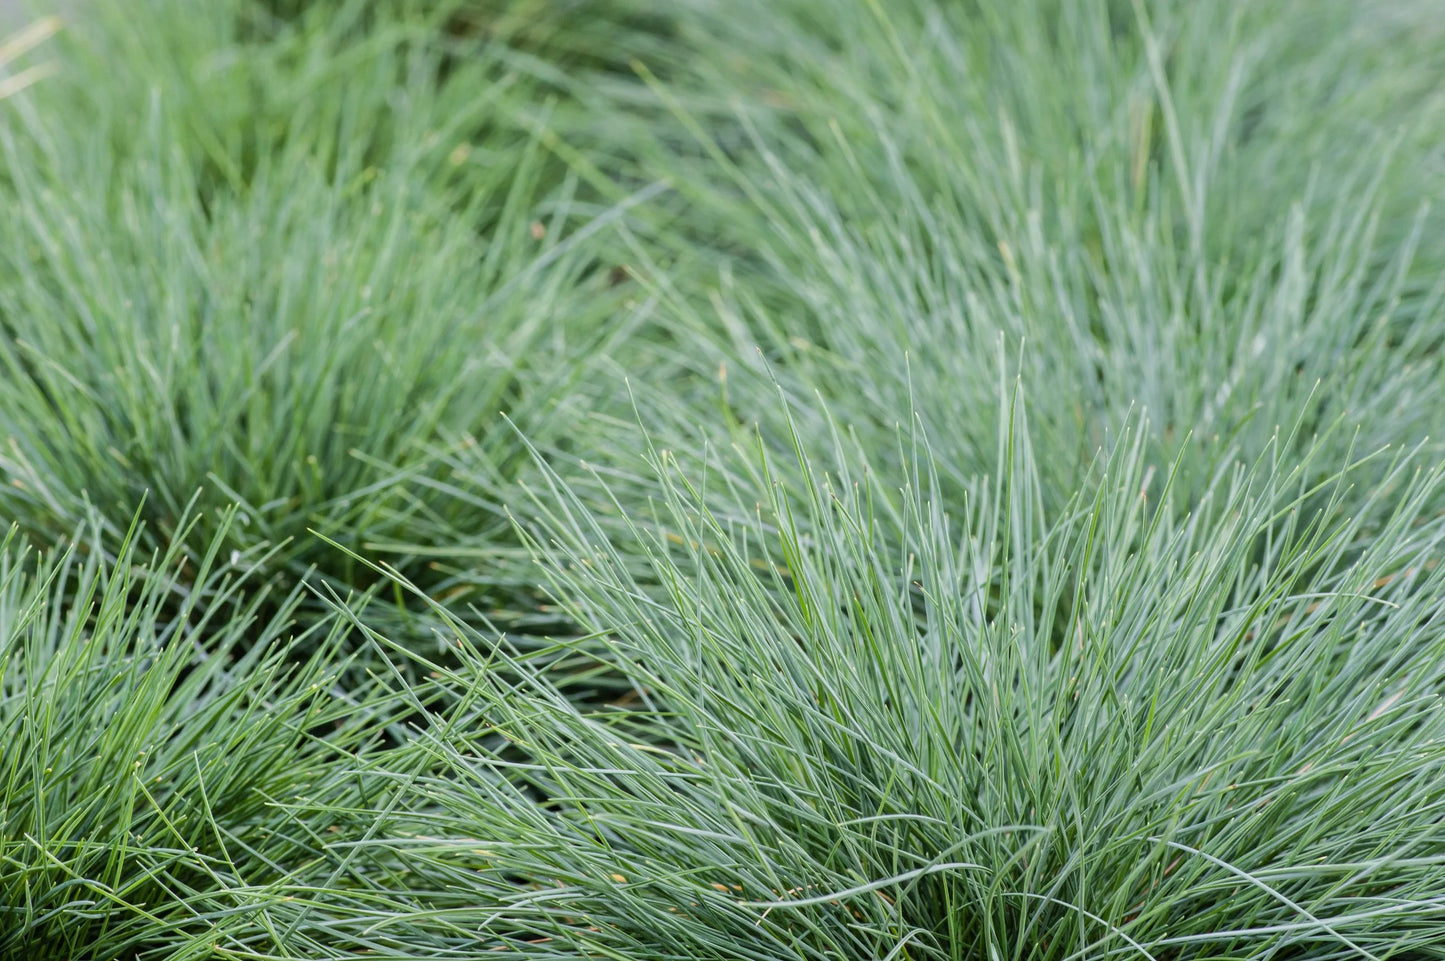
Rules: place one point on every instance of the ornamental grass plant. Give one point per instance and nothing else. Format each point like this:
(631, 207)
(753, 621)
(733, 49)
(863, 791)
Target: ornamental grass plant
(887, 194)
(985, 730)
(912, 480)
(288, 308)
(158, 746)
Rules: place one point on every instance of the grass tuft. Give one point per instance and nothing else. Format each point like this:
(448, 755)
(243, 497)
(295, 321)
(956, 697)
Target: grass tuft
(158, 741)
(961, 730)
(305, 342)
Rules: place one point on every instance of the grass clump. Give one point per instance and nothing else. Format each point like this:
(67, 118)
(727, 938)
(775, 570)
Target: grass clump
(157, 740)
(303, 345)
(875, 201)
(979, 729)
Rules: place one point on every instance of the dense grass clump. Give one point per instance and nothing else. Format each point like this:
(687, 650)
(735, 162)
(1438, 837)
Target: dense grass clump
(890, 193)
(979, 731)
(545, 479)
(157, 743)
(303, 344)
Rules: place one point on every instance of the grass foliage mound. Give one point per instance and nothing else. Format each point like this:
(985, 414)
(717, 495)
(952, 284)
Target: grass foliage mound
(746, 480)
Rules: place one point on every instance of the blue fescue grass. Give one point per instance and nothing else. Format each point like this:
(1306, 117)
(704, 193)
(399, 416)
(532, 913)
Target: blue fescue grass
(875, 202)
(843, 480)
(158, 740)
(305, 336)
(977, 728)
